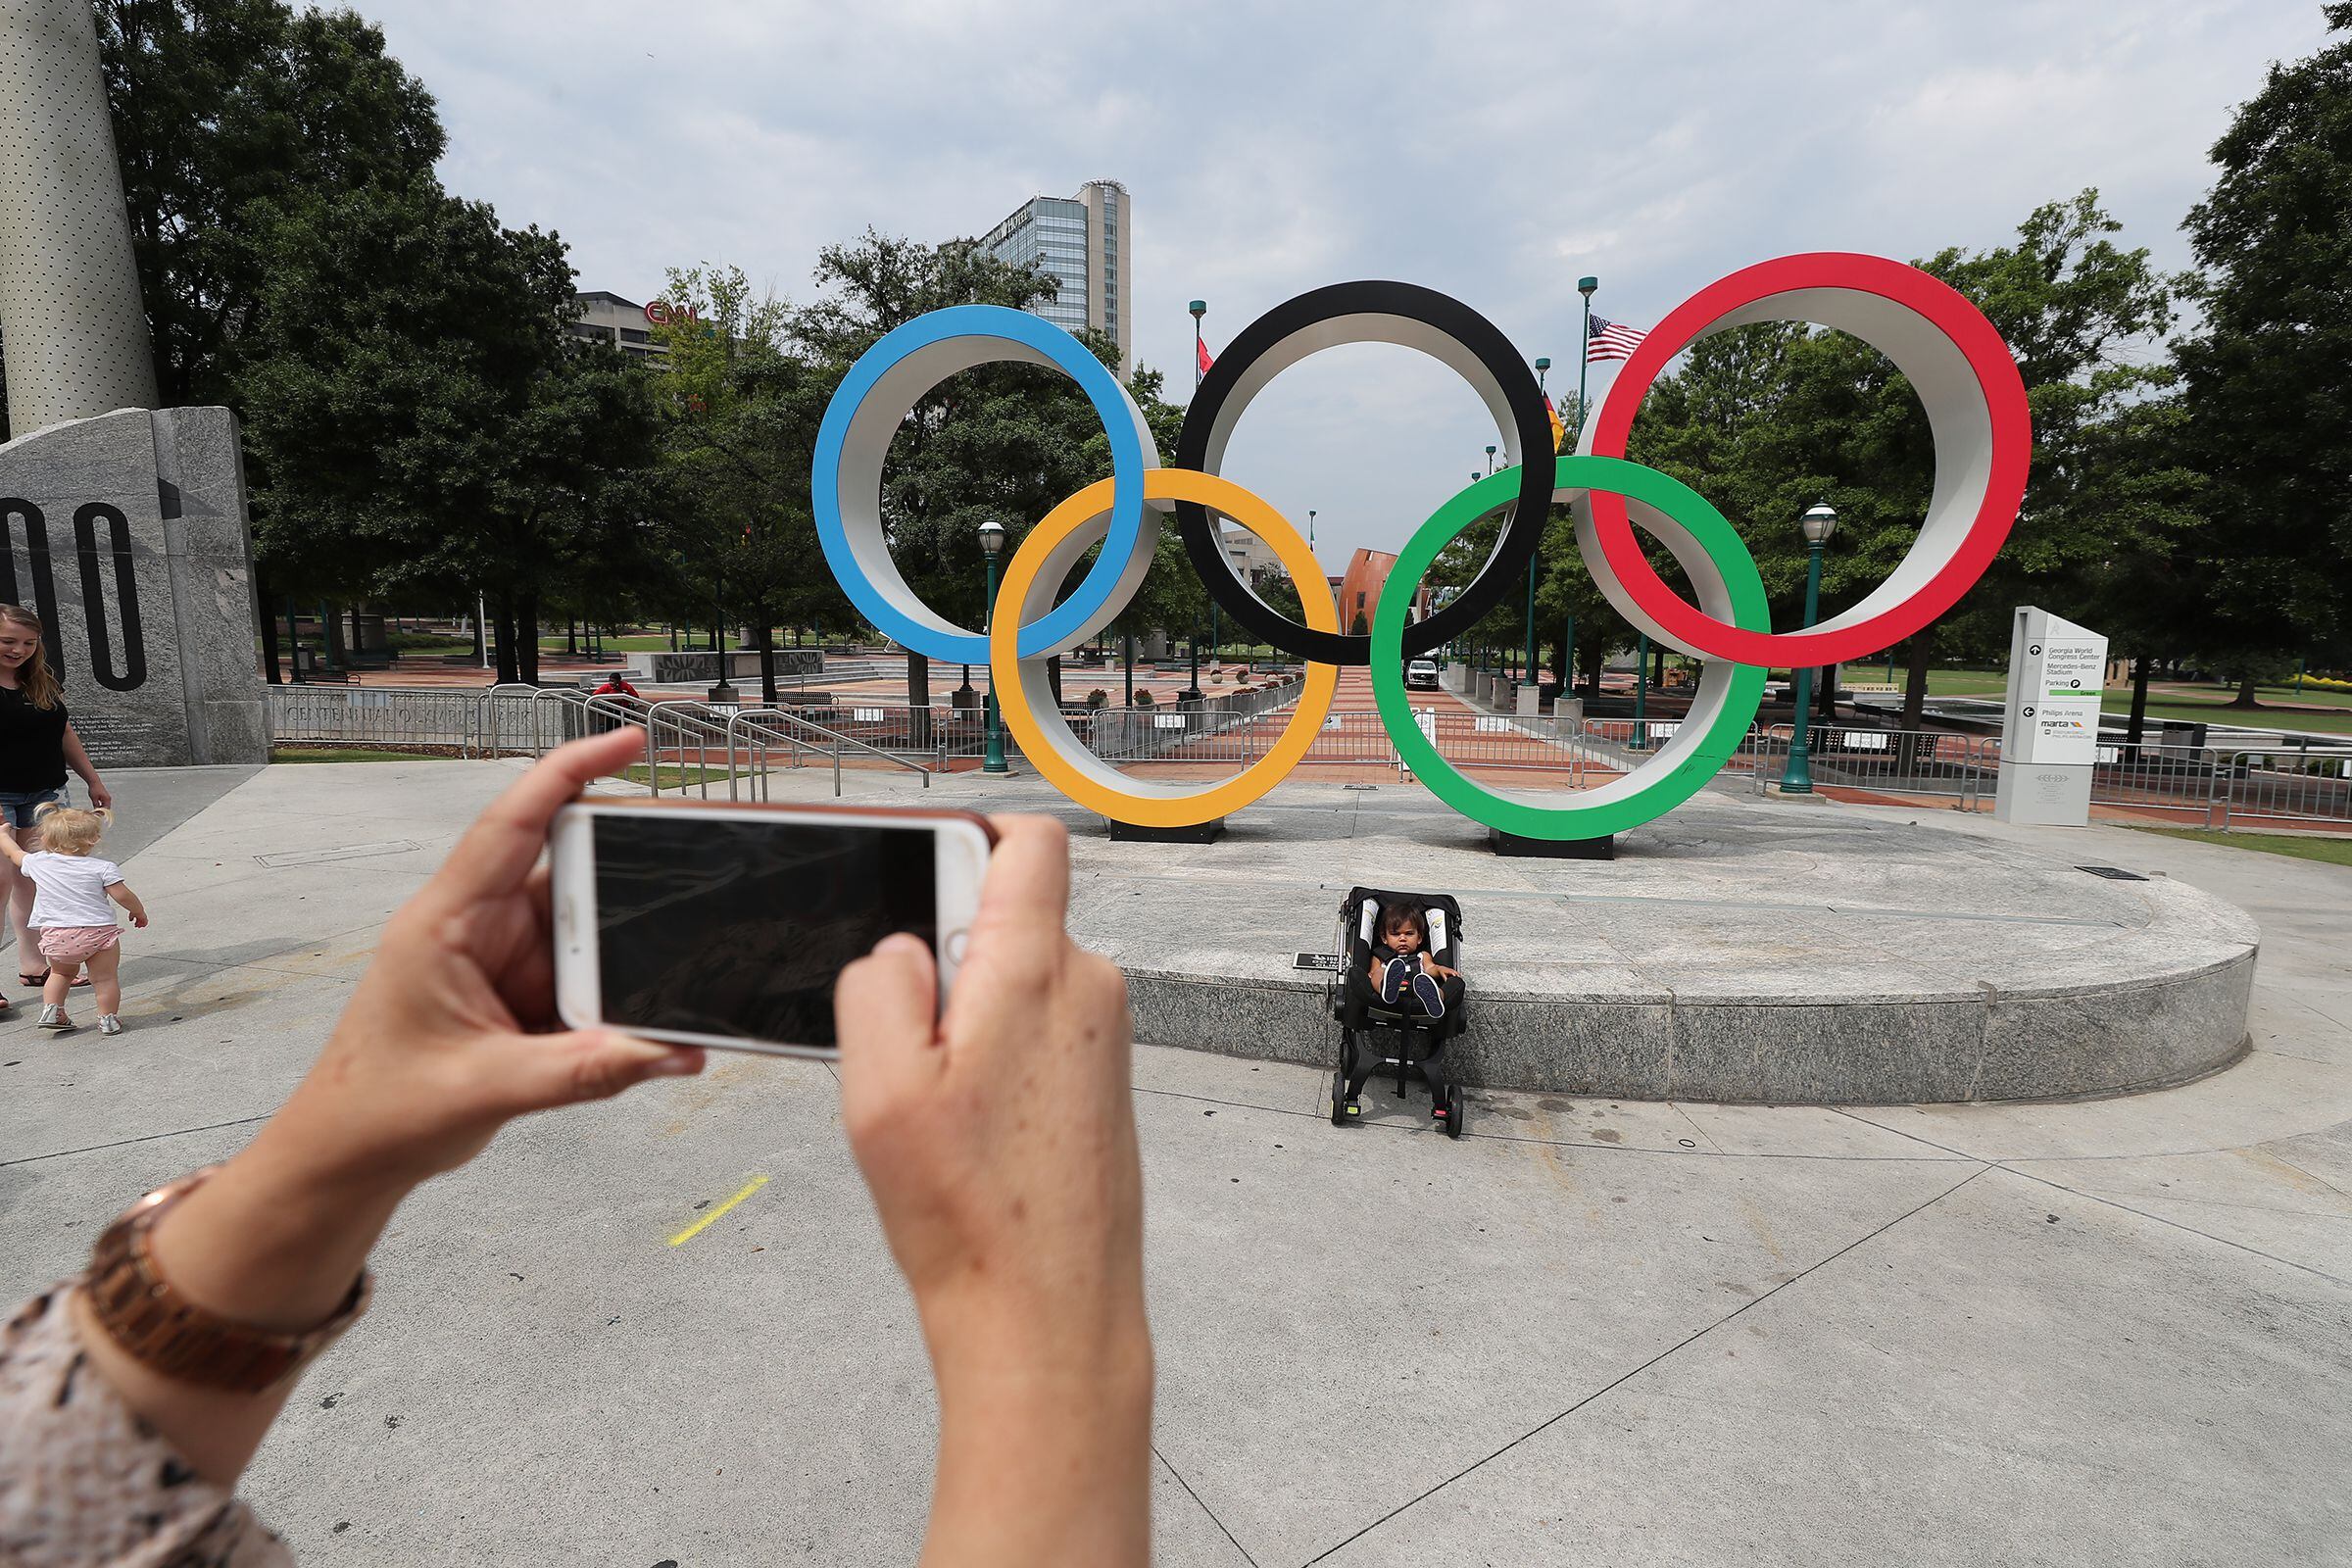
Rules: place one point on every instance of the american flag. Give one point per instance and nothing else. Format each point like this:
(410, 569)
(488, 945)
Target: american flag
(1611, 341)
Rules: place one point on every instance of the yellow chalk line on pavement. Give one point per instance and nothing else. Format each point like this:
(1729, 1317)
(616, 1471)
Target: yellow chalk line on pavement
(697, 1228)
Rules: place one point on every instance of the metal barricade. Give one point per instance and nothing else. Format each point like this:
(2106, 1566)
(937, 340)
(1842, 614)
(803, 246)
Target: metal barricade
(1886, 761)
(390, 717)
(2155, 777)
(2282, 784)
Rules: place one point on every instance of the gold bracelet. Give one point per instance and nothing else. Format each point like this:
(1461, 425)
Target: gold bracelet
(158, 1328)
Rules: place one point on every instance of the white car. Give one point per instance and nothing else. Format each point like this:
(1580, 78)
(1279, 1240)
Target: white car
(1422, 672)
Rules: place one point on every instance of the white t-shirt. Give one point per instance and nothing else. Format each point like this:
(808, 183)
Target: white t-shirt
(71, 889)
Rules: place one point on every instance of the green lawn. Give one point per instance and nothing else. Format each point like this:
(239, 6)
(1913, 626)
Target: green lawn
(2199, 713)
(349, 753)
(2269, 696)
(1955, 682)
(677, 776)
(2301, 847)
(649, 643)
(1940, 682)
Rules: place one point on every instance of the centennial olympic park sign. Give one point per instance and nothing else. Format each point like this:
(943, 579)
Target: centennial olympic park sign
(1956, 362)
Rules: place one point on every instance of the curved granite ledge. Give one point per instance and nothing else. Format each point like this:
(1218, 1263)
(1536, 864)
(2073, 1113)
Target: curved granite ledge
(1731, 955)
(2125, 1038)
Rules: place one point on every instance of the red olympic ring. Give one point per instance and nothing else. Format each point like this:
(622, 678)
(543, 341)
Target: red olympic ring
(2001, 450)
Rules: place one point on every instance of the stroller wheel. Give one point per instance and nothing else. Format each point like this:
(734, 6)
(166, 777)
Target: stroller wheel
(1338, 1100)
(1458, 1110)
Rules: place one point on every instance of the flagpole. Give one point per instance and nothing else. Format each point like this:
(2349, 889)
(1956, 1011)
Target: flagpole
(1584, 363)
(1535, 675)
(1200, 308)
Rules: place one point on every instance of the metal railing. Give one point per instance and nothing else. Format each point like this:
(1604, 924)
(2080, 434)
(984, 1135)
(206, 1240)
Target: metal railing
(377, 715)
(2280, 784)
(795, 735)
(1890, 761)
(738, 748)
(2156, 777)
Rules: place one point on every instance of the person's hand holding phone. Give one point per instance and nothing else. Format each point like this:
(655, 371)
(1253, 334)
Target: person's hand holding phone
(448, 1036)
(998, 1141)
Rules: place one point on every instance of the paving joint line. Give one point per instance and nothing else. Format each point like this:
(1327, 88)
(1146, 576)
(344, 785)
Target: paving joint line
(1628, 1376)
(143, 1138)
(2313, 1174)
(2004, 1160)
(1202, 1504)
(1950, 1157)
(2114, 1202)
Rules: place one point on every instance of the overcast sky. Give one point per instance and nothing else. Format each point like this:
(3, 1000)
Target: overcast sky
(1493, 152)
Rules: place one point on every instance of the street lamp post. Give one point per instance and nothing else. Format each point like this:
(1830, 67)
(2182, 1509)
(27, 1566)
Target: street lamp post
(1819, 522)
(1640, 740)
(1583, 350)
(992, 545)
(1543, 370)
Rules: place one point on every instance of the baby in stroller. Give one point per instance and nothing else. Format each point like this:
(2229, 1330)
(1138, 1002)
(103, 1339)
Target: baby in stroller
(1399, 998)
(1401, 971)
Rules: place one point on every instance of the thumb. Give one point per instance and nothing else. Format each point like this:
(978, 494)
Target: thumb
(565, 1070)
(886, 1015)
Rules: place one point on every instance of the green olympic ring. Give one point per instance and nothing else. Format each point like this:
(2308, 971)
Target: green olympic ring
(1724, 575)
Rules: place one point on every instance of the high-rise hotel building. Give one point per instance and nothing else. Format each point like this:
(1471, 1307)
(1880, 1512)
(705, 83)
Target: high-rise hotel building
(1086, 242)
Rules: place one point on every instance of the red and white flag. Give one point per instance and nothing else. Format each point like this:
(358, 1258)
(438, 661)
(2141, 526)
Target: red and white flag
(1200, 349)
(1611, 341)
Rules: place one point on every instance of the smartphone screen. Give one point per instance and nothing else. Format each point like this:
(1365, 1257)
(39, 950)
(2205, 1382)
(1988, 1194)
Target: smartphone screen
(739, 928)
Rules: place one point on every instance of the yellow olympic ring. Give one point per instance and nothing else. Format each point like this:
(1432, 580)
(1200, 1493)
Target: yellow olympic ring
(1036, 573)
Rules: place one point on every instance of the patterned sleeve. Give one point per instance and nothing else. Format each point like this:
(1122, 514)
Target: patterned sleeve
(85, 1483)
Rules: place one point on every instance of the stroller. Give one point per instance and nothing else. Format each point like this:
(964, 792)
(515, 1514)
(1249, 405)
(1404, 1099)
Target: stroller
(1379, 1038)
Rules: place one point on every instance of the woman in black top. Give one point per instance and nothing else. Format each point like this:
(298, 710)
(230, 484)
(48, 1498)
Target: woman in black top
(36, 747)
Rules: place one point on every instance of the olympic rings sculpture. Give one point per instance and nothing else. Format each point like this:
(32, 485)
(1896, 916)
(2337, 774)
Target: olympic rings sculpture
(1961, 369)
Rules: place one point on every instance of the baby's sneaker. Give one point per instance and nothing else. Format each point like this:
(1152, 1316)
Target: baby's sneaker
(109, 1024)
(53, 1016)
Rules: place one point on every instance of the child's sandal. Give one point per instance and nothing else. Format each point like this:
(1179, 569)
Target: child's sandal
(24, 979)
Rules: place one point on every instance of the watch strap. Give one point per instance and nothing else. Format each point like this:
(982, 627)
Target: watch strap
(161, 1329)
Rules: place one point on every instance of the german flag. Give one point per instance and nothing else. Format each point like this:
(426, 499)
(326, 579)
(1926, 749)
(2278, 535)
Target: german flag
(1560, 431)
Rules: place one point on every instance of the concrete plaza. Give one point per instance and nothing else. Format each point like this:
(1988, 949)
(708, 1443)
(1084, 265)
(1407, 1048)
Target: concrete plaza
(1594, 1331)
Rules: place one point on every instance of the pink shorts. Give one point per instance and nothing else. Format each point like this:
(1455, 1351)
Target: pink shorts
(75, 944)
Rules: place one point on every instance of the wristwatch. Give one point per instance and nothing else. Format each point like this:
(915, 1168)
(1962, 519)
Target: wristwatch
(158, 1328)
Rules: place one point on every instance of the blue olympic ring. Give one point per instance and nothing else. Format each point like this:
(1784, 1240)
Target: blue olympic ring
(875, 397)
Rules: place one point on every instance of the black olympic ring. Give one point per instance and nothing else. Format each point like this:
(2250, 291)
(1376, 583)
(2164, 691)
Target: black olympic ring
(1353, 313)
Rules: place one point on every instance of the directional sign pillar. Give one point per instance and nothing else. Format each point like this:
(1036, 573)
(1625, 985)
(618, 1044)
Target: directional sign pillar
(2050, 732)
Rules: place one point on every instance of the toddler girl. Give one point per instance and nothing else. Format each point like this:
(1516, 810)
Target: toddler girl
(71, 888)
(1401, 966)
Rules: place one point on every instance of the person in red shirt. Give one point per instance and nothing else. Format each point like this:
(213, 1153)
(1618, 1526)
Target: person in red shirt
(617, 685)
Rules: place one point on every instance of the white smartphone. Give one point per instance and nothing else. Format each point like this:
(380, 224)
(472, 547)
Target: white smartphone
(726, 925)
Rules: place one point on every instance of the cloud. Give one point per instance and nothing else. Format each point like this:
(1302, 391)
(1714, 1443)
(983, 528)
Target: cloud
(1495, 151)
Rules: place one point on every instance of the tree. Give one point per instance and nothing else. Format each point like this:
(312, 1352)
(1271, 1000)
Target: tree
(228, 112)
(2270, 377)
(405, 454)
(2147, 592)
(738, 433)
